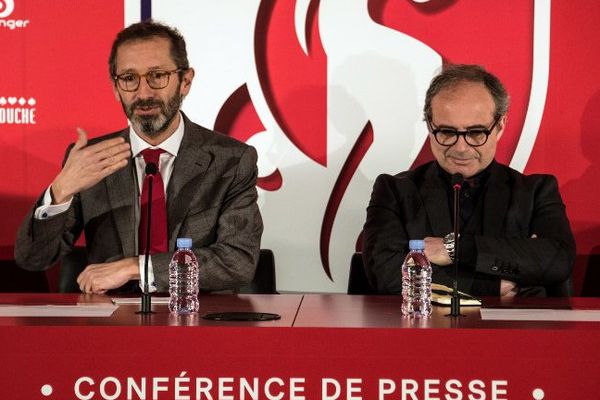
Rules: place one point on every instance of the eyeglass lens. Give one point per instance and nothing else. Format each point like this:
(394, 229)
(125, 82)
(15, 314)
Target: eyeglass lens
(473, 137)
(155, 79)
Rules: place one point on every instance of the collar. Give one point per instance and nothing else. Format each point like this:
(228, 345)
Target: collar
(170, 145)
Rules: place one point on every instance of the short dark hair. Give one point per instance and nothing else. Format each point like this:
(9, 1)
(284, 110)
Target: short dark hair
(454, 74)
(147, 30)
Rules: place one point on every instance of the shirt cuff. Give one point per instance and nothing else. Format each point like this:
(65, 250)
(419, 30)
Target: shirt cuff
(47, 209)
(151, 283)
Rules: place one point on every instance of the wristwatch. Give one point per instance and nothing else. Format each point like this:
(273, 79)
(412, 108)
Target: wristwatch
(449, 244)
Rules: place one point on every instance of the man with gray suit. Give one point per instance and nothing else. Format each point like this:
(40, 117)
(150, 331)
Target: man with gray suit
(208, 180)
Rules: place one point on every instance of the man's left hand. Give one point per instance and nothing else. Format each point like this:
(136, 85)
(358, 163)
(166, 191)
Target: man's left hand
(436, 251)
(98, 278)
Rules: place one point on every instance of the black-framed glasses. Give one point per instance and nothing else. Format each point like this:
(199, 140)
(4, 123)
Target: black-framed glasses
(156, 79)
(474, 137)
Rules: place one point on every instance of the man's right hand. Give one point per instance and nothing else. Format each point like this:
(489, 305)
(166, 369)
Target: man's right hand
(88, 165)
(436, 252)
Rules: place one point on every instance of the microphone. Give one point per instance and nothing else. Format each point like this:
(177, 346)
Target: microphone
(150, 171)
(456, 181)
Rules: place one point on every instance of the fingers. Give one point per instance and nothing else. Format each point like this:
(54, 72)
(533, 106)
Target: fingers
(90, 278)
(83, 282)
(113, 167)
(87, 165)
(90, 283)
(114, 162)
(114, 155)
(81, 139)
(108, 146)
(107, 157)
(98, 278)
(104, 148)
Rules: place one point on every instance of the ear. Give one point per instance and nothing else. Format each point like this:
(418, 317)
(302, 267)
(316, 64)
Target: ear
(432, 142)
(500, 126)
(186, 81)
(116, 90)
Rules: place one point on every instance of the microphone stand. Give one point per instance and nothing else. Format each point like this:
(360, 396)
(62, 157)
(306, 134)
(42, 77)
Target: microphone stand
(455, 301)
(146, 306)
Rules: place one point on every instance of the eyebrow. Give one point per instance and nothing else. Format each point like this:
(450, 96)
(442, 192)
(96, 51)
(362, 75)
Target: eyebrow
(153, 68)
(478, 126)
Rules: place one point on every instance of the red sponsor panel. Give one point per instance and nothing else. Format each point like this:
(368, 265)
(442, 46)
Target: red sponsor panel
(54, 79)
(298, 363)
(568, 143)
(327, 347)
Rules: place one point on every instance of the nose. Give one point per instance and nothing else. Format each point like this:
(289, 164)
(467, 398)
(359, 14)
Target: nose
(461, 145)
(144, 90)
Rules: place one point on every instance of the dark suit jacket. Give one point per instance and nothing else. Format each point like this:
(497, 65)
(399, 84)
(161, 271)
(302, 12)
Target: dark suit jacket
(414, 205)
(211, 197)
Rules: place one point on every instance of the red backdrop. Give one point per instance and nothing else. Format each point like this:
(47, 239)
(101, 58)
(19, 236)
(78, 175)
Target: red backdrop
(55, 61)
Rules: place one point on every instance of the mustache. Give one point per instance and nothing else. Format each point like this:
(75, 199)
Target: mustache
(146, 103)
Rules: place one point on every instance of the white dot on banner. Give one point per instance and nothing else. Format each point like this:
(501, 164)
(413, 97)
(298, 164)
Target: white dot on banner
(46, 390)
(538, 394)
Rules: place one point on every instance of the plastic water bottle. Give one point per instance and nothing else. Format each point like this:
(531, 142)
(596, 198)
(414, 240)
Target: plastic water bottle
(416, 281)
(183, 279)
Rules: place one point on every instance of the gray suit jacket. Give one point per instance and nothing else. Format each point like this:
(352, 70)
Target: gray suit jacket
(414, 205)
(211, 197)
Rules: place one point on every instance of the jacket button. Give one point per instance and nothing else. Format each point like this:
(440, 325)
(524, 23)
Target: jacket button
(494, 268)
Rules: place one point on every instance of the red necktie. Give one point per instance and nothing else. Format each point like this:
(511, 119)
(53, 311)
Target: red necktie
(158, 233)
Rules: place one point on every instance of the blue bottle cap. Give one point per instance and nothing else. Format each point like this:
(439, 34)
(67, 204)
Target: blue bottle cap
(184, 243)
(416, 244)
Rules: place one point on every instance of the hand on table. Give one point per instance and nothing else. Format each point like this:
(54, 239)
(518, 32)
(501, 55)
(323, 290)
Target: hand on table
(98, 278)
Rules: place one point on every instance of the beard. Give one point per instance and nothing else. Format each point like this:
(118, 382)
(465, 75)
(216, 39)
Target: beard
(153, 125)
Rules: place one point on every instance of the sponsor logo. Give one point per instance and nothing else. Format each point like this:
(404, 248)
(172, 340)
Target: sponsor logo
(6, 9)
(17, 110)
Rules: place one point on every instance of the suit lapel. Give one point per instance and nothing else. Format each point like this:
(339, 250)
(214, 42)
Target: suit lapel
(122, 196)
(497, 197)
(435, 199)
(191, 162)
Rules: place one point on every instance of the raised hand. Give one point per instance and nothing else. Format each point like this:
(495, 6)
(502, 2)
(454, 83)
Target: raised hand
(88, 165)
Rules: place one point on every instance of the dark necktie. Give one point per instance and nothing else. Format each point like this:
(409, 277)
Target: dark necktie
(158, 234)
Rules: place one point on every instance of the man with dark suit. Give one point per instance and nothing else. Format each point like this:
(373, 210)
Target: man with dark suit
(515, 237)
(208, 180)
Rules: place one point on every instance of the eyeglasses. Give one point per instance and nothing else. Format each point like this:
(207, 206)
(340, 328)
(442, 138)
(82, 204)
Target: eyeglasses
(474, 137)
(156, 79)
